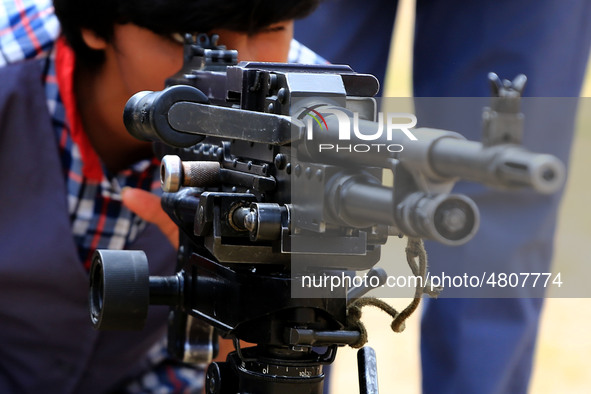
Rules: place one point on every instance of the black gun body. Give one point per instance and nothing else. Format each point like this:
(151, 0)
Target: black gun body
(255, 195)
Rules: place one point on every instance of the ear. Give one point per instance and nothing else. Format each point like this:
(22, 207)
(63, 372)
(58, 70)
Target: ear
(93, 40)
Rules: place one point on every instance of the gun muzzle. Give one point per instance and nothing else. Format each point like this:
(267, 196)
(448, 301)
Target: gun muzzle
(502, 166)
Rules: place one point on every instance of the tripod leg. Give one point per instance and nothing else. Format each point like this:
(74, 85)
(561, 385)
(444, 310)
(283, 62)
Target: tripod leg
(367, 370)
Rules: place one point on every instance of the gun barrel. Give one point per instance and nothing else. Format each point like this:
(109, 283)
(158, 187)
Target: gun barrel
(500, 166)
(439, 155)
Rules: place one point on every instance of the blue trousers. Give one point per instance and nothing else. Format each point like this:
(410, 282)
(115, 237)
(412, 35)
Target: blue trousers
(477, 345)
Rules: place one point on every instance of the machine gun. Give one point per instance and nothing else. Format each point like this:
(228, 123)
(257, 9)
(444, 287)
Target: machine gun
(272, 171)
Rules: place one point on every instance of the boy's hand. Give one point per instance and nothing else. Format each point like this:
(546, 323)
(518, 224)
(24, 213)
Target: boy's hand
(147, 206)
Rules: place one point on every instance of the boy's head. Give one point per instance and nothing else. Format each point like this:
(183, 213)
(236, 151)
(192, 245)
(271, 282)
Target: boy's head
(167, 17)
(126, 46)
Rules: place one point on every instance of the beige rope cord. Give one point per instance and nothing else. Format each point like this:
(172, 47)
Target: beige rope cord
(414, 250)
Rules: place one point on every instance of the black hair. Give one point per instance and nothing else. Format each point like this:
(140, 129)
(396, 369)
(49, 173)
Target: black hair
(170, 16)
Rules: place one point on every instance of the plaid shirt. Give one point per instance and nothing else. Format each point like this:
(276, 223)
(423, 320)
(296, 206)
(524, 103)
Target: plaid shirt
(29, 29)
(99, 220)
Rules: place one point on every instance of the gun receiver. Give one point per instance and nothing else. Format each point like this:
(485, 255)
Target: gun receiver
(264, 109)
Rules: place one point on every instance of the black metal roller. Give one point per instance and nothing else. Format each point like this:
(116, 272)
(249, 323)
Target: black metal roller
(213, 382)
(221, 379)
(119, 290)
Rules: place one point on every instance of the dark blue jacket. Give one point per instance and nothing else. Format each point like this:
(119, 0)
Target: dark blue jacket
(47, 343)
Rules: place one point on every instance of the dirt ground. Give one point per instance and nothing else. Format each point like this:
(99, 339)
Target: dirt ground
(560, 366)
(564, 342)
